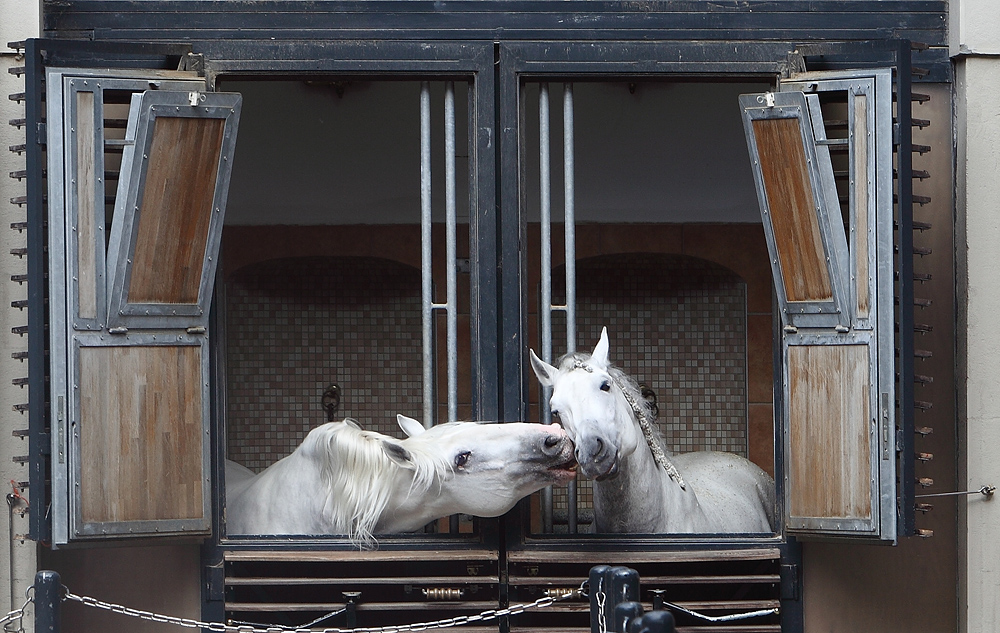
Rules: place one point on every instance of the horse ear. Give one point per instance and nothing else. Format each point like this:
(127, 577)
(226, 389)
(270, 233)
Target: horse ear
(546, 373)
(410, 426)
(397, 453)
(600, 354)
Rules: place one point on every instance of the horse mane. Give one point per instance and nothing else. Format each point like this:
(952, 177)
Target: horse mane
(358, 476)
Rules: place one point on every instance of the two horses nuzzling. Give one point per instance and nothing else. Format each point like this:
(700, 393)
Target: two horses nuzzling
(638, 486)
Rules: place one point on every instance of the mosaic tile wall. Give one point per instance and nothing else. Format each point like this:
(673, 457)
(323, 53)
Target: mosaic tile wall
(295, 326)
(678, 325)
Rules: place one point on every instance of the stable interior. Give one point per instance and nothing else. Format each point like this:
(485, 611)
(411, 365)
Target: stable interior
(321, 260)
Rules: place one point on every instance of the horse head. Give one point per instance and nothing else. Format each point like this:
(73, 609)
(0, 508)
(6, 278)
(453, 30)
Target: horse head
(490, 467)
(589, 399)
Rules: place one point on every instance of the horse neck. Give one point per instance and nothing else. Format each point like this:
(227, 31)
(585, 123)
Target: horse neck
(410, 508)
(643, 498)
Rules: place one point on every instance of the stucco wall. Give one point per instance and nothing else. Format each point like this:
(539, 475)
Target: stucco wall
(978, 167)
(975, 41)
(18, 20)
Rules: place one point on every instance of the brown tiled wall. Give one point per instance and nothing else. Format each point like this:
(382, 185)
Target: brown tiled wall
(678, 325)
(296, 326)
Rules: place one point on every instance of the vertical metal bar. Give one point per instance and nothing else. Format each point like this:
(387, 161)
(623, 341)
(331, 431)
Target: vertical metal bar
(569, 185)
(545, 208)
(450, 249)
(545, 302)
(569, 219)
(426, 270)
(451, 261)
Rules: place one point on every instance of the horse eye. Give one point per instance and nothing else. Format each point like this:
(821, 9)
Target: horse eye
(605, 386)
(462, 459)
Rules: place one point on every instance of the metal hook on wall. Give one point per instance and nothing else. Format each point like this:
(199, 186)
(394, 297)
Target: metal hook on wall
(331, 402)
(650, 396)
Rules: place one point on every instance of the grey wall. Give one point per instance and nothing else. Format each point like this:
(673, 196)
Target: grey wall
(662, 152)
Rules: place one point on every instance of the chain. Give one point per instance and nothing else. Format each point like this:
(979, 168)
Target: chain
(16, 614)
(219, 627)
(602, 623)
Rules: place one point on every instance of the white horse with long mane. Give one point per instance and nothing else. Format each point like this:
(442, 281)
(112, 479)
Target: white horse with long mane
(344, 480)
(638, 486)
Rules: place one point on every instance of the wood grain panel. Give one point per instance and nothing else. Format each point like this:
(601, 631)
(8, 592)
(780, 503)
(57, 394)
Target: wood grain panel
(860, 190)
(86, 186)
(140, 433)
(791, 205)
(830, 452)
(176, 210)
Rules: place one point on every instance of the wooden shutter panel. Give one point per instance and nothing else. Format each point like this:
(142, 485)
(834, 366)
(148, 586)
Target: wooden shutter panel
(832, 258)
(129, 344)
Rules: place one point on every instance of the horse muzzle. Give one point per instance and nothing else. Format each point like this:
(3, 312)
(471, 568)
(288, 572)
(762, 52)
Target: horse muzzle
(557, 450)
(596, 458)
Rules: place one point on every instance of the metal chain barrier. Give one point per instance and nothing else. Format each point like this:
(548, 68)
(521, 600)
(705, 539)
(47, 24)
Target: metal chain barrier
(485, 616)
(16, 614)
(602, 622)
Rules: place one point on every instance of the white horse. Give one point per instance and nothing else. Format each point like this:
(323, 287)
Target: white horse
(638, 486)
(347, 481)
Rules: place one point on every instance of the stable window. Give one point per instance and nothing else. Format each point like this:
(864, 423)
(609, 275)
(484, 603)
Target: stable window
(821, 167)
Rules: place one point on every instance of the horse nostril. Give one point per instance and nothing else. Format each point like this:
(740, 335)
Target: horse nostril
(600, 447)
(551, 440)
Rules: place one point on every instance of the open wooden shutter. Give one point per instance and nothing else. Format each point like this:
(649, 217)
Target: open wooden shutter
(129, 306)
(821, 152)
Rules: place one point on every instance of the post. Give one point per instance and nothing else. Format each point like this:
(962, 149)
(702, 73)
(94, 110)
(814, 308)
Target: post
(653, 622)
(609, 587)
(351, 616)
(625, 612)
(48, 599)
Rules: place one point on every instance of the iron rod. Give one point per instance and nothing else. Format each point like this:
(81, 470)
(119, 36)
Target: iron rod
(544, 312)
(450, 249)
(569, 227)
(426, 270)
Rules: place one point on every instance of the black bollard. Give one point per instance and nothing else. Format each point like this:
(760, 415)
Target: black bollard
(625, 612)
(608, 587)
(658, 598)
(48, 599)
(653, 622)
(351, 608)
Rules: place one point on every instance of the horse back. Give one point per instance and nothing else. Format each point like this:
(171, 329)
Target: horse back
(734, 491)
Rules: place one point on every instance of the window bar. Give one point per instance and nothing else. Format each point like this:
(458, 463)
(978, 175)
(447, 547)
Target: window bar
(545, 186)
(451, 262)
(426, 270)
(545, 307)
(450, 249)
(569, 219)
(426, 264)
